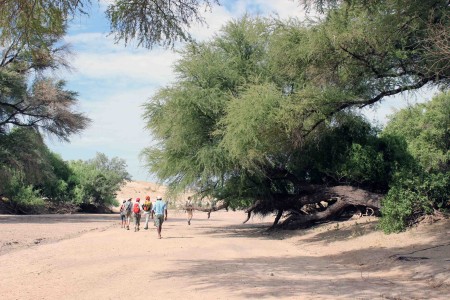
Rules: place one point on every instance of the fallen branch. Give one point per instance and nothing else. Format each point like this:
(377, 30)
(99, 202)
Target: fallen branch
(345, 195)
(211, 209)
(315, 203)
(295, 221)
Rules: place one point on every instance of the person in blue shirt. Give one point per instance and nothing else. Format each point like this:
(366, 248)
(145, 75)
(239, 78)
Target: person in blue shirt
(160, 212)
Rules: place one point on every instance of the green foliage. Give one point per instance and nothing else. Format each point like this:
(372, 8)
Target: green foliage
(30, 47)
(55, 187)
(426, 129)
(96, 181)
(235, 116)
(268, 107)
(31, 101)
(24, 198)
(27, 199)
(423, 186)
(412, 196)
(185, 116)
(29, 172)
(23, 151)
(153, 22)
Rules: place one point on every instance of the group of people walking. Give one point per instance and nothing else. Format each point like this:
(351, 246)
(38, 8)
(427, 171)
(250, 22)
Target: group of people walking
(157, 211)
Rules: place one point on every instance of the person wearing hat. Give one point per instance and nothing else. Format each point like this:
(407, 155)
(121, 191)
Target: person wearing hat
(137, 208)
(147, 208)
(159, 209)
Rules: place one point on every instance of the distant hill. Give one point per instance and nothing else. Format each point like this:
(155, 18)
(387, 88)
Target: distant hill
(141, 189)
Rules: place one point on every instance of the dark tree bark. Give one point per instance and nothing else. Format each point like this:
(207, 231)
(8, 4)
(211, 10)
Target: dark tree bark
(339, 197)
(250, 209)
(345, 195)
(277, 218)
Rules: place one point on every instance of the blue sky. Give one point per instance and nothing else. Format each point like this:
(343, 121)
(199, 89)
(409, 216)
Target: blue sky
(114, 81)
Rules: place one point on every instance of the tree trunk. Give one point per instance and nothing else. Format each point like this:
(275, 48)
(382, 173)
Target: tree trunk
(340, 197)
(345, 195)
(277, 218)
(211, 209)
(296, 221)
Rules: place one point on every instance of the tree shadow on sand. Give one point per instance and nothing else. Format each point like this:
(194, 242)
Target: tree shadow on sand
(366, 273)
(296, 277)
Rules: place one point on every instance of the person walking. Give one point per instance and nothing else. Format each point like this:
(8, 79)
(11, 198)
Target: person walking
(147, 208)
(123, 215)
(137, 208)
(189, 210)
(127, 208)
(159, 209)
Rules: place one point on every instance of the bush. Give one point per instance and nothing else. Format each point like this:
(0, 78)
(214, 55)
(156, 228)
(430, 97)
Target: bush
(28, 200)
(423, 185)
(96, 181)
(23, 198)
(411, 197)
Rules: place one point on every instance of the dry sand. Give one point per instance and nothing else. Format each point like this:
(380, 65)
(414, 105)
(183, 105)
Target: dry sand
(91, 257)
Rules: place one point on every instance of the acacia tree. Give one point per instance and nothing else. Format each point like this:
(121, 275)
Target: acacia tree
(29, 97)
(252, 108)
(33, 102)
(97, 180)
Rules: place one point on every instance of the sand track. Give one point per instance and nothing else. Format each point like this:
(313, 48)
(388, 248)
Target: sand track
(91, 257)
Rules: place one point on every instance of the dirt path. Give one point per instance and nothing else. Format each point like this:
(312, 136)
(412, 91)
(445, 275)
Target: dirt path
(91, 257)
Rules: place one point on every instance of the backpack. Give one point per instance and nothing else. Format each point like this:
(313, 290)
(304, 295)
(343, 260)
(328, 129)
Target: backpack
(147, 206)
(136, 208)
(127, 207)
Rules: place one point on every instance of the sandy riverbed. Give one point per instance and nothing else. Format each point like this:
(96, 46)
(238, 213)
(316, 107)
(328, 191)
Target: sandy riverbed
(91, 257)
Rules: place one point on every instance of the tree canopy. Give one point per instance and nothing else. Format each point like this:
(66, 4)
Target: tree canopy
(30, 47)
(96, 181)
(31, 176)
(265, 114)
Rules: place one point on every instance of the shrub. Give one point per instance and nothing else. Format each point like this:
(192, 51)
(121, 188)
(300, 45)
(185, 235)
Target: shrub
(412, 196)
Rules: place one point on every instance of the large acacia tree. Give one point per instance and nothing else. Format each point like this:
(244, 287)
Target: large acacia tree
(30, 47)
(32, 100)
(261, 116)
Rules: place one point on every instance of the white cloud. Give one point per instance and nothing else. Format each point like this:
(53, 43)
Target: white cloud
(97, 57)
(151, 67)
(117, 119)
(117, 130)
(215, 18)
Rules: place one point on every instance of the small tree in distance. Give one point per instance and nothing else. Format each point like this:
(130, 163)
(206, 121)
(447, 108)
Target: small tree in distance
(96, 181)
